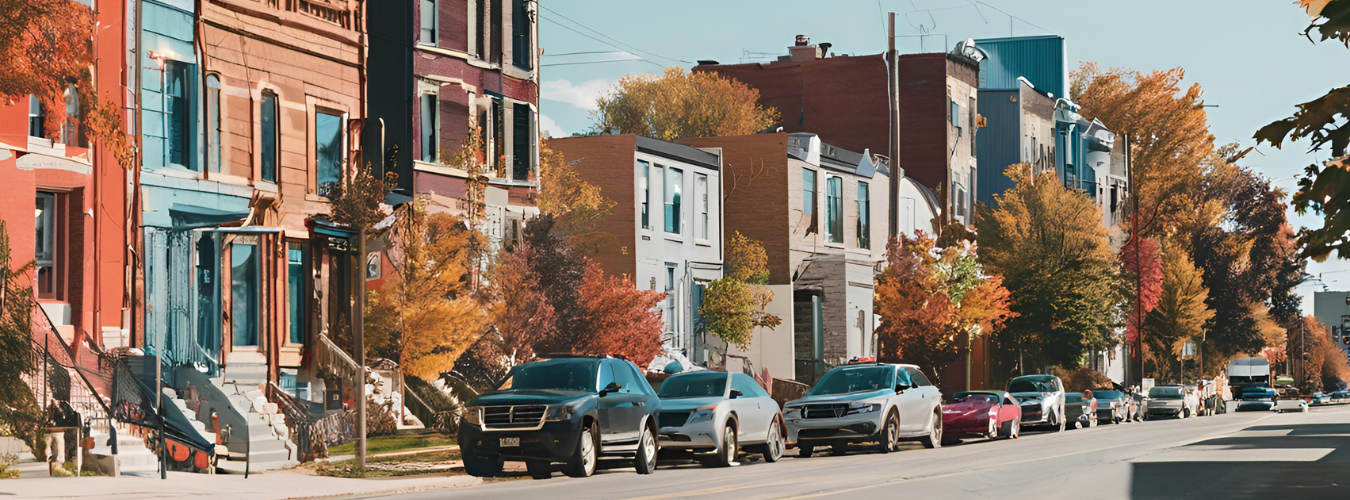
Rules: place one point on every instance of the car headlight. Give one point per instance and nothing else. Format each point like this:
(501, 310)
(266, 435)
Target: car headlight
(560, 413)
(792, 411)
(857, 407)
(473, 415)
(702, 414)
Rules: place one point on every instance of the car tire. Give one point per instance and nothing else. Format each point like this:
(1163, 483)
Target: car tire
(805, 451)
(645, 461)
(890, 433)
(838, 450)
(583, 460)
(934, 437)
(774, 444)
(726, 453)
(539, 469)
(1016, 431)
(482, 467)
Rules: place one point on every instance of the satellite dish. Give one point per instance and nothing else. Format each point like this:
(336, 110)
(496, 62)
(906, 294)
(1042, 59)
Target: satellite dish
(967, 48)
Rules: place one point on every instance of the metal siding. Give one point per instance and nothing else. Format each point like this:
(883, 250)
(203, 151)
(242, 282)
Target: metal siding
(1042, 60)
(998, 146)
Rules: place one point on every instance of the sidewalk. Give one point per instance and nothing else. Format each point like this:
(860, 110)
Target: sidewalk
(277, 485)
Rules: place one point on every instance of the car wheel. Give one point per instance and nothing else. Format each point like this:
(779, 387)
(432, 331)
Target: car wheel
(482, 467)
(1185, 413)
(773, 445)
(890, 435)
(838, 450)
(582, 461)
(539, 469)
(645, 462)
(934, 437)
(805, 451)
(1016, 428)
(726, 455)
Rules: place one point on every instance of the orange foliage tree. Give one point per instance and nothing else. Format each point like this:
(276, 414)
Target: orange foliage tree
(928, 300)
(1142, 266)
(617, 317)
(677, 105)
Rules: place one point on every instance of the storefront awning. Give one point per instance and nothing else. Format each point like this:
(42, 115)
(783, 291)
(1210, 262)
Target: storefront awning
(191, 216)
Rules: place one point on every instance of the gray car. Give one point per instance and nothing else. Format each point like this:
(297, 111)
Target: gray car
(713, 414)
(1112, 406)
(1042, 398)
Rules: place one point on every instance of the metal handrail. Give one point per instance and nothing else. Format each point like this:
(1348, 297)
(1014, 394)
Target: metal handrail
(346, 367)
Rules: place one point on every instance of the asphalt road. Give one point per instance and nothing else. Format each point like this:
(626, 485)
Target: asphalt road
(1232, 456)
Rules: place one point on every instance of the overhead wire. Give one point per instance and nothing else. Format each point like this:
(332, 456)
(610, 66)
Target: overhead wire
(624, 45)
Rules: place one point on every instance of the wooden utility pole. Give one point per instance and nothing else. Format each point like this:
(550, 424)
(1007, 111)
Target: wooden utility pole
(359, 336)
(893, 99)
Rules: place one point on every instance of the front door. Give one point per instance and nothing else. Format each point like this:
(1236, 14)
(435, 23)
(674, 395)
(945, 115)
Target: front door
(245, 292)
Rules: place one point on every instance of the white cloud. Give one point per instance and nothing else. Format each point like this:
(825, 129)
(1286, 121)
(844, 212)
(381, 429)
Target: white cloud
(581, 96)
(550, 128)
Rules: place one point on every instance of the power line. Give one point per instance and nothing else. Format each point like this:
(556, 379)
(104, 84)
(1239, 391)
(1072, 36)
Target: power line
(600, 62)
(569, 28)
(587, 28)
(588, 52)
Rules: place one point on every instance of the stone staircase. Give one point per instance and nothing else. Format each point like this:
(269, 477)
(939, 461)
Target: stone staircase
(383, 392)
(268, 446)
(132, 457)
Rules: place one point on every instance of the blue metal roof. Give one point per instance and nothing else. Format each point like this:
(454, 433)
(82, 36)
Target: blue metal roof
(1042, 60)
(998, 145)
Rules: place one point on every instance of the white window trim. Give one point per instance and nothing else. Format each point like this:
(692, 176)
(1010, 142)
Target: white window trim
(435, 23)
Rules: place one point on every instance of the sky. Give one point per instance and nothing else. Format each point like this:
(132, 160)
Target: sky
(1247, 55)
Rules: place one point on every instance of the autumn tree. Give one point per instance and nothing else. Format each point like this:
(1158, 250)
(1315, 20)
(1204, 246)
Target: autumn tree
(616, 317)
(1181, 313)
(1142, 269)
(577, 206)
(46, 49)
(1049, 245)
(679, 105)
(20, 413)
(930, 300)
(427, 316)
(1325, 187)
(736, 303)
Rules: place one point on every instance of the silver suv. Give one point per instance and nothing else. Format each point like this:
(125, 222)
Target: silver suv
(866, 403)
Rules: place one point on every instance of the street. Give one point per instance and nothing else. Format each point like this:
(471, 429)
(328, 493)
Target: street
(1232, 456)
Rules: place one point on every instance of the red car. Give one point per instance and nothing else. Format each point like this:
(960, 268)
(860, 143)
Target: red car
(981, 413)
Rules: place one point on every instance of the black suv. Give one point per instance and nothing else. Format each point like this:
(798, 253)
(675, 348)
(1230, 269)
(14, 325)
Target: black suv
(571, 410)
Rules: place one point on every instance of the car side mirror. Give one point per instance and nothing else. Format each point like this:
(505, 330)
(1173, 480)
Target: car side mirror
(899, 388)
(612, 387)
(736, 394)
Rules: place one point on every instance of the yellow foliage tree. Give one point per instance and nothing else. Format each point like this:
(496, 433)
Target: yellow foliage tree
(677, 105)
(578, 207)
(1181, 313)
(735, 304)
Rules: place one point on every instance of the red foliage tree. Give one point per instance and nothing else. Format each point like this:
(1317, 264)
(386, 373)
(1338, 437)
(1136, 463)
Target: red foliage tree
(617, 318)
(914, 312)
(1142, 263)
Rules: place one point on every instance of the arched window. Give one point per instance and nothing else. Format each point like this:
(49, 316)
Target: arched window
(213, 149)
(70, 131)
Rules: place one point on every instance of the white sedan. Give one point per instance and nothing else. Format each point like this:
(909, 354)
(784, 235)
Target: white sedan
(713, 414)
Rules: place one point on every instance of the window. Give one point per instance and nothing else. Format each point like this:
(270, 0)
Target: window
(864, 216)
(522, 137)
(296, 290)
(834, 209)
(430, 124)
(328, 150)
(268, 130)
(809, 197)
(645, 192)
(956, 115)
(429, 22)
(522, 23)
(493, 134)
(627, 377)
(748, 386)
(674, 191)
(71, 134)
(475, 14)
(671, 306)
(606, 373)
(35, 118)
(701, 197)
(177, 117)
(212, 123)
(960, 201)
(494, 35)
(244, 279)
(44, 233)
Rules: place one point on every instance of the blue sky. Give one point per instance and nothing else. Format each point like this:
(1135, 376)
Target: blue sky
(1246, 54)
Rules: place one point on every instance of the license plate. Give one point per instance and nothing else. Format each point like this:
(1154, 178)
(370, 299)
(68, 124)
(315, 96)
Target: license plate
(510, 442)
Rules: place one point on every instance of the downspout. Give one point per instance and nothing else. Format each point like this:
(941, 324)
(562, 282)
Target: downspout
(133, 232)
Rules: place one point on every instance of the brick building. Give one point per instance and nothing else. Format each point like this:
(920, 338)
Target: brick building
(663, 238)
(442, 70)
(939, 122)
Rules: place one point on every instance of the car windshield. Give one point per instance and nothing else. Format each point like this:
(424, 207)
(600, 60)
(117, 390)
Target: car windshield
(568, 374)
(1107, 394)
(1030, 385)
(969, 397)
(847, 380)
(694, 385)
(1164, 393)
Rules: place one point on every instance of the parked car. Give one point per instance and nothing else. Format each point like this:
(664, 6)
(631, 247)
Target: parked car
(712, 414)
(866, 403)
(1169, 400)
(1081, 409)
(1112, 406)
(573, 410)
(1140, 405)
(1320, 398)
(1289, 399)
(989, 414)
(1340, 397)
(1041, 398)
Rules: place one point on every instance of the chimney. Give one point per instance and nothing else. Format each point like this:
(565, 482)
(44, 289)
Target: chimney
(803, 51)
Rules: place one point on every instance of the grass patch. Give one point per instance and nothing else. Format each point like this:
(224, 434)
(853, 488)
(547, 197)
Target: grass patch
(396, 442)
(435, 462)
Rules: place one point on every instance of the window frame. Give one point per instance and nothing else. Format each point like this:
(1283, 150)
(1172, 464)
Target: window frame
(645, 193)
(834, 209)
(863, 200)
(264, 154)
(810, 198)
(255, 287)
(214, 160)
(674, 201)
(341, 147)
(297, 310)
(184, 104)
(37, 118)
(523, 169)
(429, 126)
(522, 39)
(701, 199)
(51, 239)
(435, 27)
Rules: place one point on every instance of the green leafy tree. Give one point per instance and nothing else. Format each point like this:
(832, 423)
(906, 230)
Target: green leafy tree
(1049, 245)
(1324, 188)
(736, 304)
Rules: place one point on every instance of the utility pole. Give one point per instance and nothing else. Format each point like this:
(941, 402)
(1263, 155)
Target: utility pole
(359, 335)
(1138, 276)
(893, 99)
